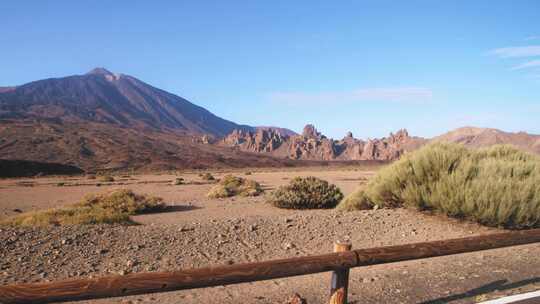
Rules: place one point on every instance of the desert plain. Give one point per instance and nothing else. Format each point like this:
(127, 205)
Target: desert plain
(196, 231)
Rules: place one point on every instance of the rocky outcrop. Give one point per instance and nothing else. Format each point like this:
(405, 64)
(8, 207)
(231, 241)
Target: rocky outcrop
(262, 140)
(312, 145)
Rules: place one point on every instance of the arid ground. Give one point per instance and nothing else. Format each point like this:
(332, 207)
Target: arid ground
(199, 232)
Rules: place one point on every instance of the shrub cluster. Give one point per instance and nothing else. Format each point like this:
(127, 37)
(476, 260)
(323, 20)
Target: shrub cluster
(497, 186)
(232, 185)
(113, 207)
(306, 193)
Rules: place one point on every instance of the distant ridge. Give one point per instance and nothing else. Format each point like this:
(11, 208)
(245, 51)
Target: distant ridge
(484, 137)
(6, 89)
(312, 145)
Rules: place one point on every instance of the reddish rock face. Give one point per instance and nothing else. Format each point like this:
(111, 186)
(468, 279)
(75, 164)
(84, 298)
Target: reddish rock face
(312, 145)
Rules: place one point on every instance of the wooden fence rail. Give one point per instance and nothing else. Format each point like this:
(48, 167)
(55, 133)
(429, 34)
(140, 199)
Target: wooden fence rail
(144, 283)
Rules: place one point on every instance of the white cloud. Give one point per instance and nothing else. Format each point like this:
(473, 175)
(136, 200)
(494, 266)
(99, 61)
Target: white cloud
(518, 51)
(396, 94)
(529, 64)
(532, 38)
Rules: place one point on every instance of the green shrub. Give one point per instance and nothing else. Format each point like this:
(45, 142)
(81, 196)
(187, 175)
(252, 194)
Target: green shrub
(113, 207)
(60, 184)
(306, 193)
(233, 185)
(497, 186)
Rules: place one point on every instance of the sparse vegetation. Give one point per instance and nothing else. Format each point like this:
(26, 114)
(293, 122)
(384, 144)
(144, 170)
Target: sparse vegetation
(207, 176)
(113, 207)
(233, 185)
(106, 178)
(60, 184)
(497, 186)
(306, 193)
(178, 181)
(247, 173)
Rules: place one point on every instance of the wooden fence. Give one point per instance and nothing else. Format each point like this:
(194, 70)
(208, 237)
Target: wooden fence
(338, 262)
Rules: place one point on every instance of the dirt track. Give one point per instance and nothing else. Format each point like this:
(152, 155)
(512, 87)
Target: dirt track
(201, 232)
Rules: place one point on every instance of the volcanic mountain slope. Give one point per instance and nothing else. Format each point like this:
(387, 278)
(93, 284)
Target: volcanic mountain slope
(97, 146)
(116, 99)
(312, 145)
(484, 137)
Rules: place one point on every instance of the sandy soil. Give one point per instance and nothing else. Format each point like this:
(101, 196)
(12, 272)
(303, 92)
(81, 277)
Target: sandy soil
(202, 232)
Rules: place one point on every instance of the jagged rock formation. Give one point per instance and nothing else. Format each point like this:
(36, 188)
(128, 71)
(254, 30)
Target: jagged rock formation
(312, 145)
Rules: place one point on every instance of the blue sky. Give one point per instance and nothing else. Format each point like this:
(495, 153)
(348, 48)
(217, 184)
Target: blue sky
(370, 67)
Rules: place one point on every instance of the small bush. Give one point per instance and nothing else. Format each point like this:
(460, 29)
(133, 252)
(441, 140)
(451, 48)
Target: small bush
(497, 186)
(113, 207)
(60, 184)
(207, 177)
(306, 193)
(178, 181)
(247, 173)
(233, 185)
(106, 178)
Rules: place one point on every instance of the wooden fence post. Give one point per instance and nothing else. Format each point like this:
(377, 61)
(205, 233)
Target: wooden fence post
(340, 278)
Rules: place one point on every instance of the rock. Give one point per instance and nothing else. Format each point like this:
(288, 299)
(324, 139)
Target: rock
(295, 299)
(131, 263)
(368, 280)
(252, 228)
(185, 229)
(310, 132)
(288, 245)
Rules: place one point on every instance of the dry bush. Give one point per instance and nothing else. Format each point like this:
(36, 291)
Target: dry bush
(497, 186)
(306, 193)
(233, 185)
(112, 207)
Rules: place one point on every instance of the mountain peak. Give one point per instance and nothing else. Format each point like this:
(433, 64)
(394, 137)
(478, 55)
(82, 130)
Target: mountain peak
(100, 71)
